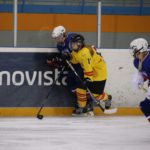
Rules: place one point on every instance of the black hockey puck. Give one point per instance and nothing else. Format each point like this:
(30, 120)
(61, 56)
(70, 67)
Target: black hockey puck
(40, 116)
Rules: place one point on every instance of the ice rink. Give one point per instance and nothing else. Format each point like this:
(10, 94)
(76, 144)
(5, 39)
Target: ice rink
(75, 133)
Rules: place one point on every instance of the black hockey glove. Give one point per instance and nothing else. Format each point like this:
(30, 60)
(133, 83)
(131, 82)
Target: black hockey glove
(65, 56)
(55, 62)
(86, 82)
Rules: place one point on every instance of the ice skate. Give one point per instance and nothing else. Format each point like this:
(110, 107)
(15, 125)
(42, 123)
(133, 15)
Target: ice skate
(108, 102)
(80, 112)
(90, 108)
(90, 113)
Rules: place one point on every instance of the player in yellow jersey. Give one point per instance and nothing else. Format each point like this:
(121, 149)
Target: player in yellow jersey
(95, 73)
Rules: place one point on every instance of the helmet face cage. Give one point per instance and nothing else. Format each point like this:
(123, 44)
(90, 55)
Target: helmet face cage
(135, 50)
(138, 45)
(76, 42)
(75, 46)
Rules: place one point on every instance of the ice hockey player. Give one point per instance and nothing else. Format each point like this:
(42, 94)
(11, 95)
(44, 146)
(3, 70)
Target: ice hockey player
(62, 38)
(95, 73)
(139, 49)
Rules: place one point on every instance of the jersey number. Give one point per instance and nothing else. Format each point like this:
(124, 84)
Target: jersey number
(89, 61)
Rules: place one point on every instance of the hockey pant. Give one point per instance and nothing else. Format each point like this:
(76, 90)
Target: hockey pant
(72, 81)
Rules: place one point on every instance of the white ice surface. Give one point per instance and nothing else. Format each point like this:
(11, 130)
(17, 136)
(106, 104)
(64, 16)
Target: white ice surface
(72, 133)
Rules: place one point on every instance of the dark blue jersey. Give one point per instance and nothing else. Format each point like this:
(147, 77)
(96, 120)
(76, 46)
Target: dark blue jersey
(65, 46)
(145, 65)
(72, 80)
(145, 105)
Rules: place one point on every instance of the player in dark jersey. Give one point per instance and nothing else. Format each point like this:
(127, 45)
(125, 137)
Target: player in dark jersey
(141, 62)
(62, 39)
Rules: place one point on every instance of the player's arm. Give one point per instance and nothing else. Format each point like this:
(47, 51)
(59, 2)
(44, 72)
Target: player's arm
(86, 63)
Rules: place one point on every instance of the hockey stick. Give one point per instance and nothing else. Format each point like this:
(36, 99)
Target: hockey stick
(39, 116)
(106, 111)
(143, 88)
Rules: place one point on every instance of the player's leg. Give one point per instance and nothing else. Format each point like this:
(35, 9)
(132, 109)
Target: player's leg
(90, 107)
(97, 88)
(145, 108)
(82, 102)
(78, 84)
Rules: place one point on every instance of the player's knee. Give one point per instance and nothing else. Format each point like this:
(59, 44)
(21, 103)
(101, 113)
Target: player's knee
(145, 103)
(144, 106)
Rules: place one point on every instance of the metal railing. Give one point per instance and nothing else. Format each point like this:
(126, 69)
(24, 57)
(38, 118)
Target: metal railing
(129, 3)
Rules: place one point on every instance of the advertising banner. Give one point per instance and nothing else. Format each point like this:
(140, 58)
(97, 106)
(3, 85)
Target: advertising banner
(26, 79)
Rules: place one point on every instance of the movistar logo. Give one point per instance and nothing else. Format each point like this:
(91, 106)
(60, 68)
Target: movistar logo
(30, 78)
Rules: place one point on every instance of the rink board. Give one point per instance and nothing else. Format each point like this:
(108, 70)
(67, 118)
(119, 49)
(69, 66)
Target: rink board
(26, 79)
(63, 111)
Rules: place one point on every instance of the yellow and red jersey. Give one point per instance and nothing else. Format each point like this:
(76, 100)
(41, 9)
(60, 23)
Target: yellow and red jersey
(93, 64)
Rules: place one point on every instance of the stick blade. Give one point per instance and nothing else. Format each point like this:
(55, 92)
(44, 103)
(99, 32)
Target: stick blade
(110, 111)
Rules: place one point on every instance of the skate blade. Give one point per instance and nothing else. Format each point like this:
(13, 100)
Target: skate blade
(79, 115)
(88, 114)
(110, 111)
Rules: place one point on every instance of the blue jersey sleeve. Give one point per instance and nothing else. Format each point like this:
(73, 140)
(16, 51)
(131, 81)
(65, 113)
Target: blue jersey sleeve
(145, 65)
(65, 46)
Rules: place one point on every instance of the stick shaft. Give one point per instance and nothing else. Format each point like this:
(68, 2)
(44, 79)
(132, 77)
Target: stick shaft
(46, 98)
(86, 87)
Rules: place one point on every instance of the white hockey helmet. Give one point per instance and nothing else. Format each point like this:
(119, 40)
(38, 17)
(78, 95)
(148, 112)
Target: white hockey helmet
(58, 31)
(139, 45)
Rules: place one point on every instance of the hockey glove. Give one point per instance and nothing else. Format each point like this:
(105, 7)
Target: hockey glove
(55, 62)
(86, 82)
(138, 80)
(65, 56)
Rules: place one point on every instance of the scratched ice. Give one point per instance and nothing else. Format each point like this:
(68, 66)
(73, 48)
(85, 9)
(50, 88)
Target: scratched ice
(75, 133)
